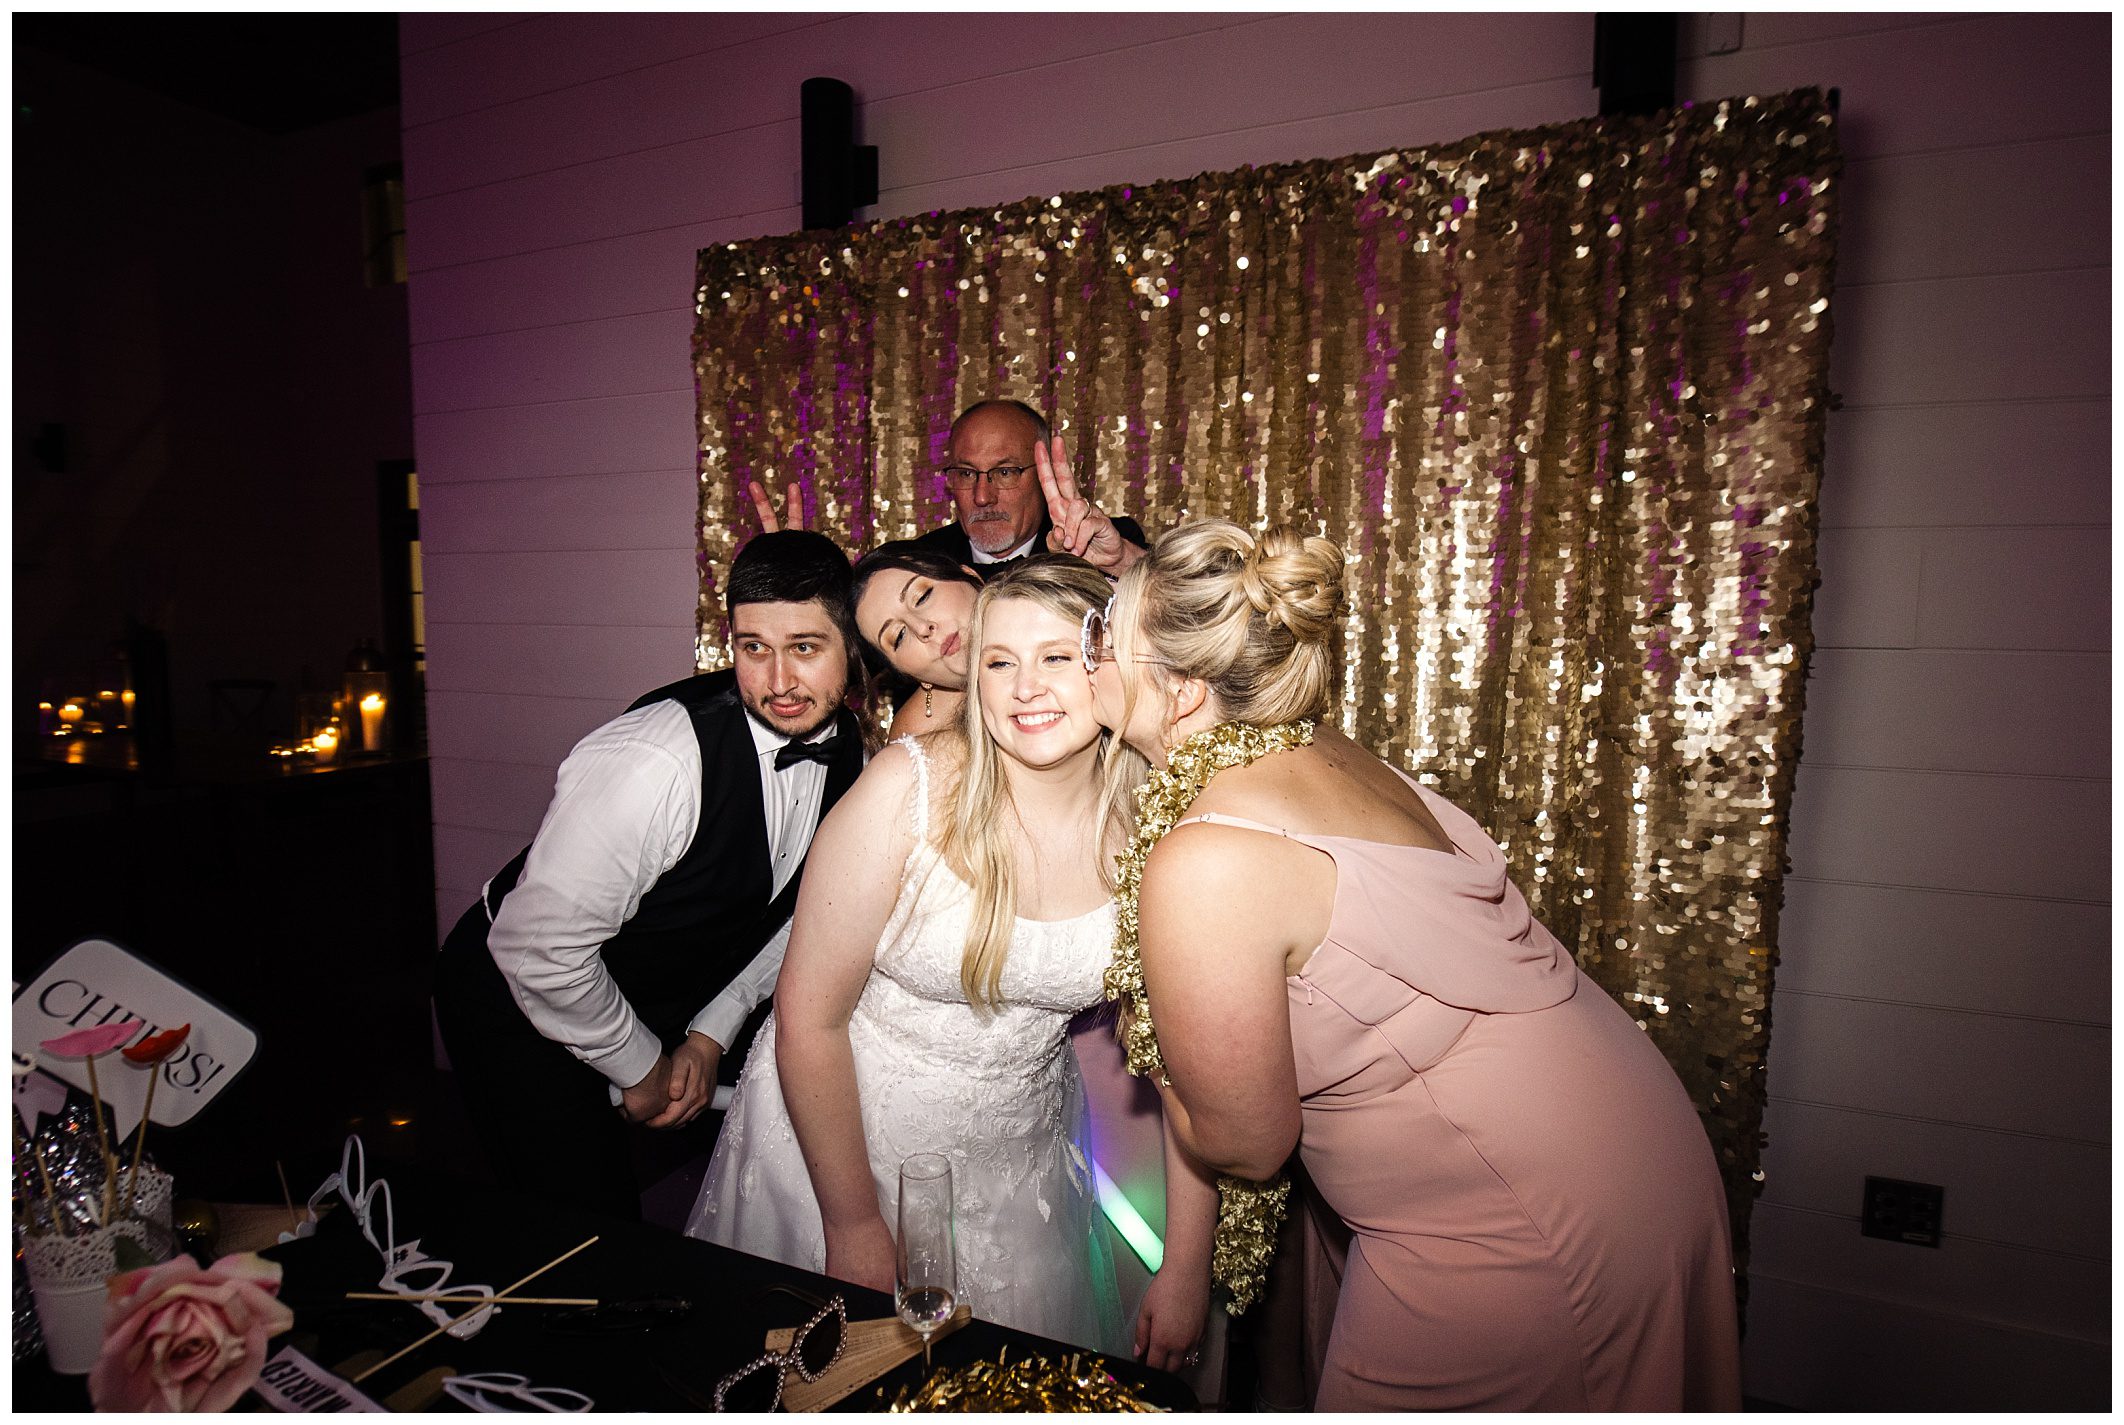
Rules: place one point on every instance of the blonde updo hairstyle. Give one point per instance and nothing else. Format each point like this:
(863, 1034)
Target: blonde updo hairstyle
(1258, 618)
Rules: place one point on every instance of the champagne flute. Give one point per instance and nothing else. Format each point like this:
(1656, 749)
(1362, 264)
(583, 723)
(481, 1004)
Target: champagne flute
(928, 1271)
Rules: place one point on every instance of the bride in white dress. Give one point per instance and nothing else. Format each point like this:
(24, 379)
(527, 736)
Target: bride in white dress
(954, 917)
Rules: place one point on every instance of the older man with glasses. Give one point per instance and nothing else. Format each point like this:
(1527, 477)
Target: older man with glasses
(1016, 495)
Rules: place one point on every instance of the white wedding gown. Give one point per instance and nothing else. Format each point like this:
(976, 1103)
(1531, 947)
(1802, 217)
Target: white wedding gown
(997, 1092)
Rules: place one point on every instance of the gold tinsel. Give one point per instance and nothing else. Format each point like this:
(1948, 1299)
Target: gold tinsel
(1248, 1213)
(1073, 1385)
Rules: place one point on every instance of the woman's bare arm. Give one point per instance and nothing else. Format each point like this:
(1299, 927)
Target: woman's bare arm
(1214, 947)
(850, 882)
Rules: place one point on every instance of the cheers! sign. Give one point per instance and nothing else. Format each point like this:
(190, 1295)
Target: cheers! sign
(98, 982)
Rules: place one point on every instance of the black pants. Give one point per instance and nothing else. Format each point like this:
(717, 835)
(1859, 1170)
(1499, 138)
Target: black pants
(543, 1117)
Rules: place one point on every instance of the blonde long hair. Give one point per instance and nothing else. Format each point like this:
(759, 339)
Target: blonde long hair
(977, 812)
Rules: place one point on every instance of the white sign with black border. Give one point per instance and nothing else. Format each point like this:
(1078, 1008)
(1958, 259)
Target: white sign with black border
(99, 981)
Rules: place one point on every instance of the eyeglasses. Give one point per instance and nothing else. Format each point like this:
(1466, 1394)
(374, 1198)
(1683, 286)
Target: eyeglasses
(1095, 640)
(503, 1393)
(757, 1386)
(408, 1271)
(1003, 477)
(1095, 636)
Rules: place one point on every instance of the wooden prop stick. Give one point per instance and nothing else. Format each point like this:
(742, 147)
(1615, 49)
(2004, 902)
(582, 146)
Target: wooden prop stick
(294, 1222)
(29, 1146)
(103, 1143)
(132, 1181)
(499, 1297)
(445, 1296)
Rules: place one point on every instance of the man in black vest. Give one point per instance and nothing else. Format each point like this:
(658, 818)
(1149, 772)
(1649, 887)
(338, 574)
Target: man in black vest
(1016, 495)
(620, 956)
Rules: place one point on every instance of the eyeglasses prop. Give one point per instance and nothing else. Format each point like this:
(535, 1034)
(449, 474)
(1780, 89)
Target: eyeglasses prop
(814, 1348)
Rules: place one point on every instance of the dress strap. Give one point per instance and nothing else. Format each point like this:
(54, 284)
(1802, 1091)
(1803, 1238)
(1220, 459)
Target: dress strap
(921, 787)
(1217, 819)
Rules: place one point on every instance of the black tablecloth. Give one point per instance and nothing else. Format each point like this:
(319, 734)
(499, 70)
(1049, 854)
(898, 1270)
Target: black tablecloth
(497, 1239)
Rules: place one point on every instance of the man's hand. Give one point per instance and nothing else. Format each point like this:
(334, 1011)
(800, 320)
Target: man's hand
(693, 1066)
(676, 1089)
(649, 1097)
(1081, 527)
(792, 507)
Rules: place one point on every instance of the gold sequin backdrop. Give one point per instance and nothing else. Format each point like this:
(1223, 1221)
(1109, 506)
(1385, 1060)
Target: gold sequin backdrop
(1560, 394)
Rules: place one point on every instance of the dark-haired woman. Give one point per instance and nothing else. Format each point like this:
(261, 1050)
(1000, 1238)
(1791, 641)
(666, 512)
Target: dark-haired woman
(914, 608)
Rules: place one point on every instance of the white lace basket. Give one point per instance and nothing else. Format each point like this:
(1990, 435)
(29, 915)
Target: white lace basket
(68, 1272)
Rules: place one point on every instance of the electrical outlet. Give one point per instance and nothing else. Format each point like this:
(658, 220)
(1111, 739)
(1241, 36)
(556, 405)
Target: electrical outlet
(1899, 1211)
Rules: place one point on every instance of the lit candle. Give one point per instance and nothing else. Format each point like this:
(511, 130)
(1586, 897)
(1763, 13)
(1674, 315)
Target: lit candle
(372, 711)
(325, 744)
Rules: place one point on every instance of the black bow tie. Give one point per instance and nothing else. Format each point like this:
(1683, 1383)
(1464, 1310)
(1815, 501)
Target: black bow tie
(821, 752)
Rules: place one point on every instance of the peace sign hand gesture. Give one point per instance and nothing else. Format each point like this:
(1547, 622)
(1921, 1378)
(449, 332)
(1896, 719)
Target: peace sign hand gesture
(1081, 527)
(793, 503)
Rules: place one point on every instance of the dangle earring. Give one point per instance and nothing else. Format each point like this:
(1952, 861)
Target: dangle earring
(929, 708)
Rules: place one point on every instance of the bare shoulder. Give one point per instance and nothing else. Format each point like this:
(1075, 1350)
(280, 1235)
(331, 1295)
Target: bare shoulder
(1209, 861)
(891, 766)
(928, 765)
(944, 750)
(878, 800)
(1224, 891)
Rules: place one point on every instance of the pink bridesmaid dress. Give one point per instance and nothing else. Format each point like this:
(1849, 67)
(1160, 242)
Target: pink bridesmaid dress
(1537, 1221)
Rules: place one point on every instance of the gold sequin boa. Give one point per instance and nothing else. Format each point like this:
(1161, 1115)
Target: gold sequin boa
(1004, 1386)
(1248, 1213)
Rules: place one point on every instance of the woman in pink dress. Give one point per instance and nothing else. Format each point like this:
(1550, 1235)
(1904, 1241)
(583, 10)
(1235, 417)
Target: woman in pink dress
(1334, 959)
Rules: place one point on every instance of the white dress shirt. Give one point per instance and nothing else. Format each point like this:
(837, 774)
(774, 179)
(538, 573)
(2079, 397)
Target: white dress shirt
(982, 556)
(626, 806)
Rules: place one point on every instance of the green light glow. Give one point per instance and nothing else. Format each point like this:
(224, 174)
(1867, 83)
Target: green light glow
(1127, 1221)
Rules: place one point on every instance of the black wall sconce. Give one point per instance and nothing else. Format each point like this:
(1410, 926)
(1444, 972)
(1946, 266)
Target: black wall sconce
(839, 175)
(1633, 61)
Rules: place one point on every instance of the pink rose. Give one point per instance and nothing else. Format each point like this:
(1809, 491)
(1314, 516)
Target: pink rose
(180, 1336)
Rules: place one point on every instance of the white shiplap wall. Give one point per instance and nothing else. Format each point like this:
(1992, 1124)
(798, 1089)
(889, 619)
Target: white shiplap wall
(1942, 1011)
(1942, 1008)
